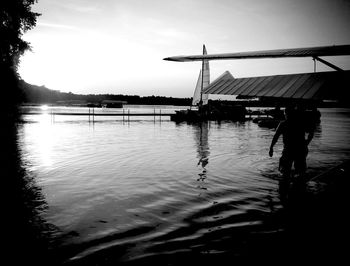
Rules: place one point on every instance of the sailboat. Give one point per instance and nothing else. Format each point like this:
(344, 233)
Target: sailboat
(199, 99)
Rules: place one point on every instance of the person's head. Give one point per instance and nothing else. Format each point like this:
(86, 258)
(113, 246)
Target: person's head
(288, 112)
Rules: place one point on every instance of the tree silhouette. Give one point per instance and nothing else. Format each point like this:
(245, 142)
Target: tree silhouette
(16, 17)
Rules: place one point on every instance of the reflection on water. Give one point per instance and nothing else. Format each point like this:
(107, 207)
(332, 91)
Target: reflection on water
(146, 192)
(26, 236)
(201, 131)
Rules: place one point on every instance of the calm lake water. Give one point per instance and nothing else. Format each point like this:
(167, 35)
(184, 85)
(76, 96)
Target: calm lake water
(118, 191)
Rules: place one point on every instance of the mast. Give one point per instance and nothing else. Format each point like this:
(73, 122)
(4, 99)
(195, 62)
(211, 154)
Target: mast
(201, 98)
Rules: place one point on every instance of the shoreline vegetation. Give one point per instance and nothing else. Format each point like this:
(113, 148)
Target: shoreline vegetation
(38, 95)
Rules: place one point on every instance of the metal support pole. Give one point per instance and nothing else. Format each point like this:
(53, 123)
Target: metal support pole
(314, 64)
(327, 63)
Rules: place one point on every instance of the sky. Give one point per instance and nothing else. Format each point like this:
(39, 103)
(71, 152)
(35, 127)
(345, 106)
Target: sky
(118, 46)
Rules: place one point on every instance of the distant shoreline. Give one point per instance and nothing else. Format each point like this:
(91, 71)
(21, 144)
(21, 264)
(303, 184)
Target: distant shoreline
(39, 95)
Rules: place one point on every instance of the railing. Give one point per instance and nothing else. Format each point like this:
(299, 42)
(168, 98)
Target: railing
(91, 114)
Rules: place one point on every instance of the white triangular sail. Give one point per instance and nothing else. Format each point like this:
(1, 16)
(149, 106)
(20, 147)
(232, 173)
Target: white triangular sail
(202, 82)
(197, 91)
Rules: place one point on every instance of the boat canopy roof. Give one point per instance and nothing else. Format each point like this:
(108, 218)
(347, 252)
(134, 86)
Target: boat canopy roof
(332, 85)
(335, 50)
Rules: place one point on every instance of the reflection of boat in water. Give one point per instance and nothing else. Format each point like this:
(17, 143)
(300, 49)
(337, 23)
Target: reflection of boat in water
(201, 131)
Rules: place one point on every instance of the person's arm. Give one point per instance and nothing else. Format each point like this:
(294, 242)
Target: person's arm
(275, 138)
(309, 137)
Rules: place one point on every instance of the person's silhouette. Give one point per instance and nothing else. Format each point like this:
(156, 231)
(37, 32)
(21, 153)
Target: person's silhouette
(295, 146)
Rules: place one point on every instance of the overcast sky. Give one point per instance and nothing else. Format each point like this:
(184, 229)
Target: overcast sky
(118, 46)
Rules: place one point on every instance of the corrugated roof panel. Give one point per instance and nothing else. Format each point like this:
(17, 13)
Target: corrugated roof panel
(230, 85)
(217, 87)
(209, 89)
(264, 83)
(274, 90)
(303, 78)
(256, 83)
(223, 77)
(273, 86)
(224, 87)
(291, 80)
(319, 82)
(245, 86)
(218, 84)
(215, 82)
(321, 85)
(238, 83)
(336, 86)
(304, 87)
(275, 80)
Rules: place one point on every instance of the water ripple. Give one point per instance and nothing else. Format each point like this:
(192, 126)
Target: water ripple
(130, 192)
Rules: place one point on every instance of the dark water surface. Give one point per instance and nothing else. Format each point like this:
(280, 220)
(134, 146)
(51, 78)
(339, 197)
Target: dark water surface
(147, 191)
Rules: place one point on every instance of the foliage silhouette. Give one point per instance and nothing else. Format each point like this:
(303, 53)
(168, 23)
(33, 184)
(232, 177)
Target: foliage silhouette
(16, 18)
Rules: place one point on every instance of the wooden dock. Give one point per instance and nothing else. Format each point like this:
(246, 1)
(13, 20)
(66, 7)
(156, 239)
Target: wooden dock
(91, 114)
(99, 114)
(106, 114)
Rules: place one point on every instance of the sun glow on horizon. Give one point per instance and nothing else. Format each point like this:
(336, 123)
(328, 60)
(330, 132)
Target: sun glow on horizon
(44, 107)
(97, 64)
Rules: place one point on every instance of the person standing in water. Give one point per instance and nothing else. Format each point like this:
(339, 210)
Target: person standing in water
(295, 146)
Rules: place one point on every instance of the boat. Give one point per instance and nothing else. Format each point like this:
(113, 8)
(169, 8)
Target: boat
(273, 117)
(310, 89)
(112, 104)
(197, 112)
(201, 109)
